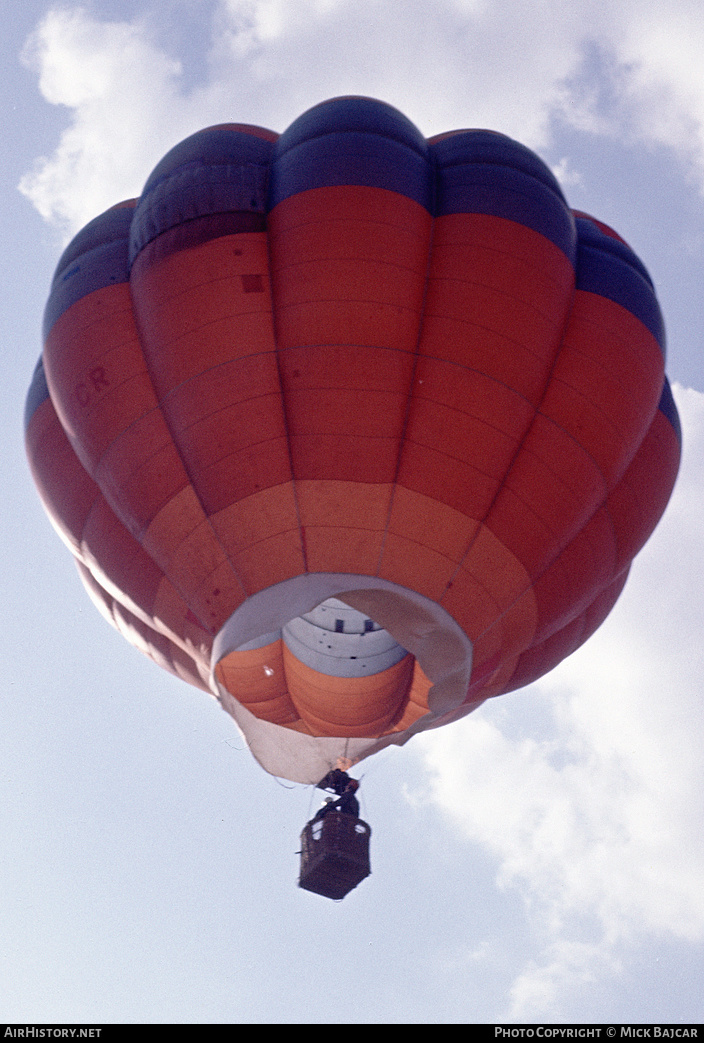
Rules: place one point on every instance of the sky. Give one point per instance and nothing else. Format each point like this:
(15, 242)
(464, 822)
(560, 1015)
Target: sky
(540, 861)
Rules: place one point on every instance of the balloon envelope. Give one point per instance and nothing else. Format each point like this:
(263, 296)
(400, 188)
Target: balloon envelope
(350, 428)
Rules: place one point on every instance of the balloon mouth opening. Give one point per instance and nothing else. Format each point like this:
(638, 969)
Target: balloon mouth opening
(346, 627)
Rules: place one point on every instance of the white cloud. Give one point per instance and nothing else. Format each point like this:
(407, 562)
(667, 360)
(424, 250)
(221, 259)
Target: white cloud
(445, 64)
(641, 79)
(586, 788)
(664, 49)
(121, 89)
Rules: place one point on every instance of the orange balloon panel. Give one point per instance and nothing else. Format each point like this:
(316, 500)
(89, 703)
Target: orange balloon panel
(353, 428)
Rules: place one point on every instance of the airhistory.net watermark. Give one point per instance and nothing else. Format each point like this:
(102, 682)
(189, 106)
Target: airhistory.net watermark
(47, 1032)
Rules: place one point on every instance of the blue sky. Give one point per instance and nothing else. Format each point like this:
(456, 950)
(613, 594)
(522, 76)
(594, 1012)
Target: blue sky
(541, 861)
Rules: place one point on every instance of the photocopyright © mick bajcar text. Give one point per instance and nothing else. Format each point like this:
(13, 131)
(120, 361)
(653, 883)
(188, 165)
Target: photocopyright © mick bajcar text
(601, 1032)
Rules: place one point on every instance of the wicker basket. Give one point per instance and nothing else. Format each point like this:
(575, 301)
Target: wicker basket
(334, 855)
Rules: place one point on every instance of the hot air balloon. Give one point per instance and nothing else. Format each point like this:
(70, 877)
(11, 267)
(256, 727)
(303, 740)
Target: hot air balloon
(352, 429)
